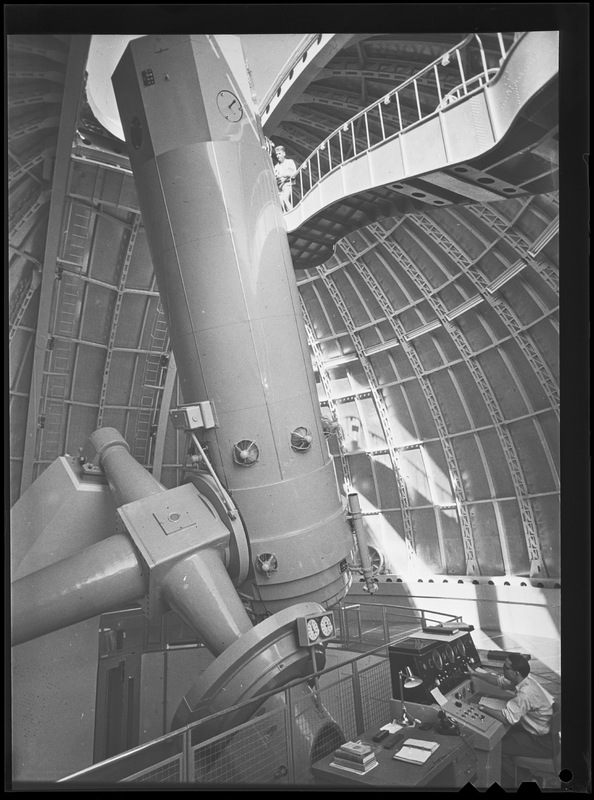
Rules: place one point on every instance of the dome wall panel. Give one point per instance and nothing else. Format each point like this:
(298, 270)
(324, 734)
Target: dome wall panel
(444, 342)
(357, 310)
(448, 398)
(451, 295)
(334, 348)
(389, 282)
(452, 541)
(363, 480)
(339, 382)
(548, 519)
(526, 376)
(140, 271)
(18, 420)
(82, 421)
(386, 482)
(121, 374)
(428, 354)
(130, 330)
(351, 277)
(438, 474)
(485, 530)
(392, 365)
(514, 537)
(514, 295)
(90, 363)
(536, 467)
(369, 337)
(372, 424)
(473, 331)
(549, 426)
(426, 539)
(21, 361)
(499, 472)
(401, 422)
(472, 469)
(412, 468)
(481, 417)
(335, 323)
(357, 377)
(546, 340)
(394, 543)
(98, 311)
(503, 384)
(423, 419)
(338, 471)
(534, 282)
(106, 256)
(349, 417)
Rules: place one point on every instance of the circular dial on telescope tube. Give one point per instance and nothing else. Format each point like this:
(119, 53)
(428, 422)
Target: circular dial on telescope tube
(230, 106)
(312, 630)
(326, 626)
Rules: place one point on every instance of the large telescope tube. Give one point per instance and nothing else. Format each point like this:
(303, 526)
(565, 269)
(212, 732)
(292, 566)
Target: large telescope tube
(219, 247)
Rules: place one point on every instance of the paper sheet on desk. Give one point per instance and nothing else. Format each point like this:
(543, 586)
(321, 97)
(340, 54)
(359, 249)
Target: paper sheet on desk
(496, 703)
(391, 727)
(437, 695)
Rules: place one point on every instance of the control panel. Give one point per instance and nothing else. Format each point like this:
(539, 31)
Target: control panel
(440, 664)
(469, 714)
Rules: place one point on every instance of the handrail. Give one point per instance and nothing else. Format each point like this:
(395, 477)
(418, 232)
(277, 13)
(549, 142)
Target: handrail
(186, 731)
(346, 147)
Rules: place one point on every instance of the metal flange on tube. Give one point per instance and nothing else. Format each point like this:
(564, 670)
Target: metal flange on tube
(182, 543)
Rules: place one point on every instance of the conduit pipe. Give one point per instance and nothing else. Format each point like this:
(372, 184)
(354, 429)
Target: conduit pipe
(357, 524)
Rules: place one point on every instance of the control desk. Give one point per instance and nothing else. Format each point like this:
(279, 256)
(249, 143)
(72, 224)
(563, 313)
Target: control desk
(442, 663)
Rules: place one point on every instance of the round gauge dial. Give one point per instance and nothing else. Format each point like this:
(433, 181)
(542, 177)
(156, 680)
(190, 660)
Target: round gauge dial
(230, 106)
(437, 660)
(449, 653)
(461, 649)
(312, 630)
(326, 626)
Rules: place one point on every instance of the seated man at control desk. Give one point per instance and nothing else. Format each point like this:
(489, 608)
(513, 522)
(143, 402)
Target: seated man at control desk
(528, 711)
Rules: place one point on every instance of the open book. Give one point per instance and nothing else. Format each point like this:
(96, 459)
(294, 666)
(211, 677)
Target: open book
(416, 751)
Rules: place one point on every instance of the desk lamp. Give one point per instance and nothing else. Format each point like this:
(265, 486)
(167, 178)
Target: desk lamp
(407, 681)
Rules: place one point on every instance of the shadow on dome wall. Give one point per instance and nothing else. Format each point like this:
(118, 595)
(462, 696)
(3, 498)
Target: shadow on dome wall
(385, 531)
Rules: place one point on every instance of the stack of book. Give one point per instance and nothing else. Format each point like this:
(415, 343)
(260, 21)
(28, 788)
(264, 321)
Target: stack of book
(354, 757)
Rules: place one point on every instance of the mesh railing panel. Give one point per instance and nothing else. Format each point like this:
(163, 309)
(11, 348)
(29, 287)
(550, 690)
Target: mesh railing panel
(256, 752)
(170, 771)
(312, 740)
(376, 688)
(338, 699)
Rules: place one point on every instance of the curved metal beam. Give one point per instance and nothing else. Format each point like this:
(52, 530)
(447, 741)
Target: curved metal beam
(73, 84)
